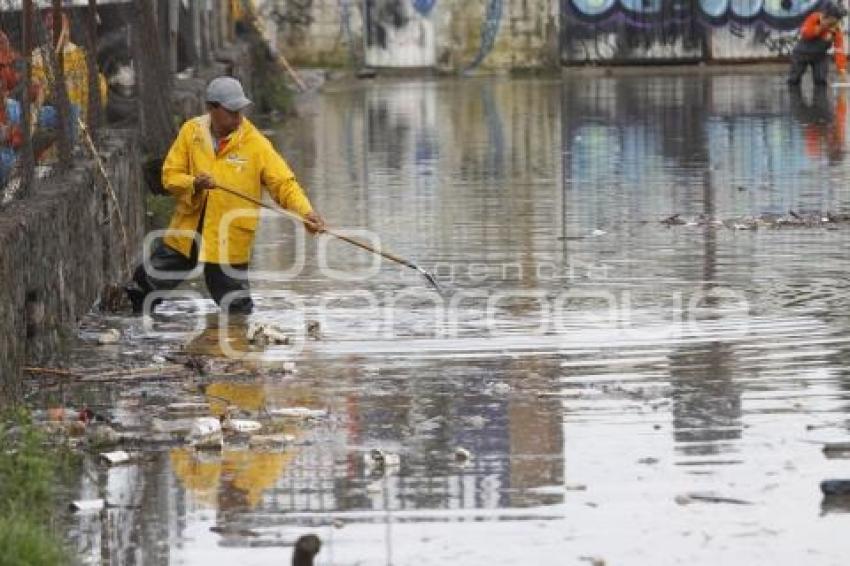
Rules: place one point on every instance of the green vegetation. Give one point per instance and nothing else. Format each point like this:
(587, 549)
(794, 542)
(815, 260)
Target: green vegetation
(270, 91)
(159, 209)
(29, 471)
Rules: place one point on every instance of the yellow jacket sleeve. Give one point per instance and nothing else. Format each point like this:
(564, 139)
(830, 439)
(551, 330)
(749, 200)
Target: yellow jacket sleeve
(176, 170)
(281, 183)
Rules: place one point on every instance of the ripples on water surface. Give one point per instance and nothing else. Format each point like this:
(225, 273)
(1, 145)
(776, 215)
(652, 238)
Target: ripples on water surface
(629, 368)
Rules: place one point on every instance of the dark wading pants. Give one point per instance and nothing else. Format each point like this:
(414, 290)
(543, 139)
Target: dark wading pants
(173, 267)
(819, 63)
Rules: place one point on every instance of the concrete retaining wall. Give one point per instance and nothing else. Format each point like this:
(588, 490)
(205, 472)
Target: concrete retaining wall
(58, 252)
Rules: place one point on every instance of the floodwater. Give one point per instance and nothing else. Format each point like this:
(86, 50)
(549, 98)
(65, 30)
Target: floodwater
(592, 387)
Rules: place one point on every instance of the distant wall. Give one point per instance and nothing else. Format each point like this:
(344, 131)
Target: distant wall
(456, 35)
(58, 252)
(671, 30)
(448, 34)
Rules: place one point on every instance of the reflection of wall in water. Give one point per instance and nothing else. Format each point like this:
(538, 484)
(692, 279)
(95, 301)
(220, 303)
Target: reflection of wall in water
(516, 446)
(706, 399)
(646, 142)
(536, 433)
(471, 152)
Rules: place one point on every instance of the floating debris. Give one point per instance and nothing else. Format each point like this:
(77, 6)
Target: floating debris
(306, 549)
(111, 336)
(241, 426)
(206, 434)
(314, 330)
(708, 498)
(674, 220)
(102, 435)
(462, 455)
(835, 487)
(476, 421)
(836, 448)
(88, 505)
(497, 388)
(115, 458)
(233, 531)
(86, 416)
(175, 426)
(270, 441)
(189, 408)
(768, 220)
(379, 460)
(299, 412)
(263, 334)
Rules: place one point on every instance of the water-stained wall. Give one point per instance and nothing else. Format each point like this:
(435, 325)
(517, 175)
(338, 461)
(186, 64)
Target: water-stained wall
(446, 34)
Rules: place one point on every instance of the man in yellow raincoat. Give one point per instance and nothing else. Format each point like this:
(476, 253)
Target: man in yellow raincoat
(215, 227)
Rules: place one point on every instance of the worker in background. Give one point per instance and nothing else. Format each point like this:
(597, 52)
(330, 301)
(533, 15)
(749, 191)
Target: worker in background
(820, 32)
(76, 77)
(11, 135)
(214, 227)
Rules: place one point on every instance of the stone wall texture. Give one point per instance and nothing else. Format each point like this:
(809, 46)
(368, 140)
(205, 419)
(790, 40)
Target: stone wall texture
(59, 249)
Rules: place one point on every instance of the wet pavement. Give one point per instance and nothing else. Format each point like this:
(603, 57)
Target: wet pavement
(593, 386)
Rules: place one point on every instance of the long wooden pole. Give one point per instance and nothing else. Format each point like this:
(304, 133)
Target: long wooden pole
(261, 29)
(363, 245)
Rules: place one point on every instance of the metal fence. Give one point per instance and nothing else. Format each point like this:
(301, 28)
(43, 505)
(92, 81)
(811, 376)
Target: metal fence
(70, 67)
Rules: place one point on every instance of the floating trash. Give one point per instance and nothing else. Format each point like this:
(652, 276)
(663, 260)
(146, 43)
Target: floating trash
(206, 434)
(462, 455)
(111, 336)
(189, 408)
(241, 426)
(88, 505)
(380, 460)
(299, 412)
(263, 334)
(115, 458)
(270, 441)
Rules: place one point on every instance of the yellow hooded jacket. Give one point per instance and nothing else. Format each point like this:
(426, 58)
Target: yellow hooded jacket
(246, 163)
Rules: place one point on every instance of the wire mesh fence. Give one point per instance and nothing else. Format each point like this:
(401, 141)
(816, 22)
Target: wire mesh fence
(68, 68)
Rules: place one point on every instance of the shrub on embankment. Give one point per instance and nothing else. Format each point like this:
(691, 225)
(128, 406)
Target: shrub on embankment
(30, 470)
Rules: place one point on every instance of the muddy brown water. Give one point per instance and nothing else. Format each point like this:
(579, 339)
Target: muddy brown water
(627, 392)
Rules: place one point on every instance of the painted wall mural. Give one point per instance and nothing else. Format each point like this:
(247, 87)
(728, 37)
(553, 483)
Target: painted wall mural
(779, 13)
(680, 29)
(489, 31)
(400, 33)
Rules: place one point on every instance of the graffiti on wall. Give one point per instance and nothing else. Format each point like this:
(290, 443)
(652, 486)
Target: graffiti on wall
(489, 31)
(293, 13)
(400, 33)
(678, 29)
(778, 13)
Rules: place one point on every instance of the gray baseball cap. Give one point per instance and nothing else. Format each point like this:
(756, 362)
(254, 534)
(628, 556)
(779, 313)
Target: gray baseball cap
(228, 92)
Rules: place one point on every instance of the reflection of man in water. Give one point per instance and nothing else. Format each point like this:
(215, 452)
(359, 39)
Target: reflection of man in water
(824, 122)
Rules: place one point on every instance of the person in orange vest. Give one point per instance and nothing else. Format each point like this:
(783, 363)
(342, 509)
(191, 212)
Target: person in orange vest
(820, 31)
